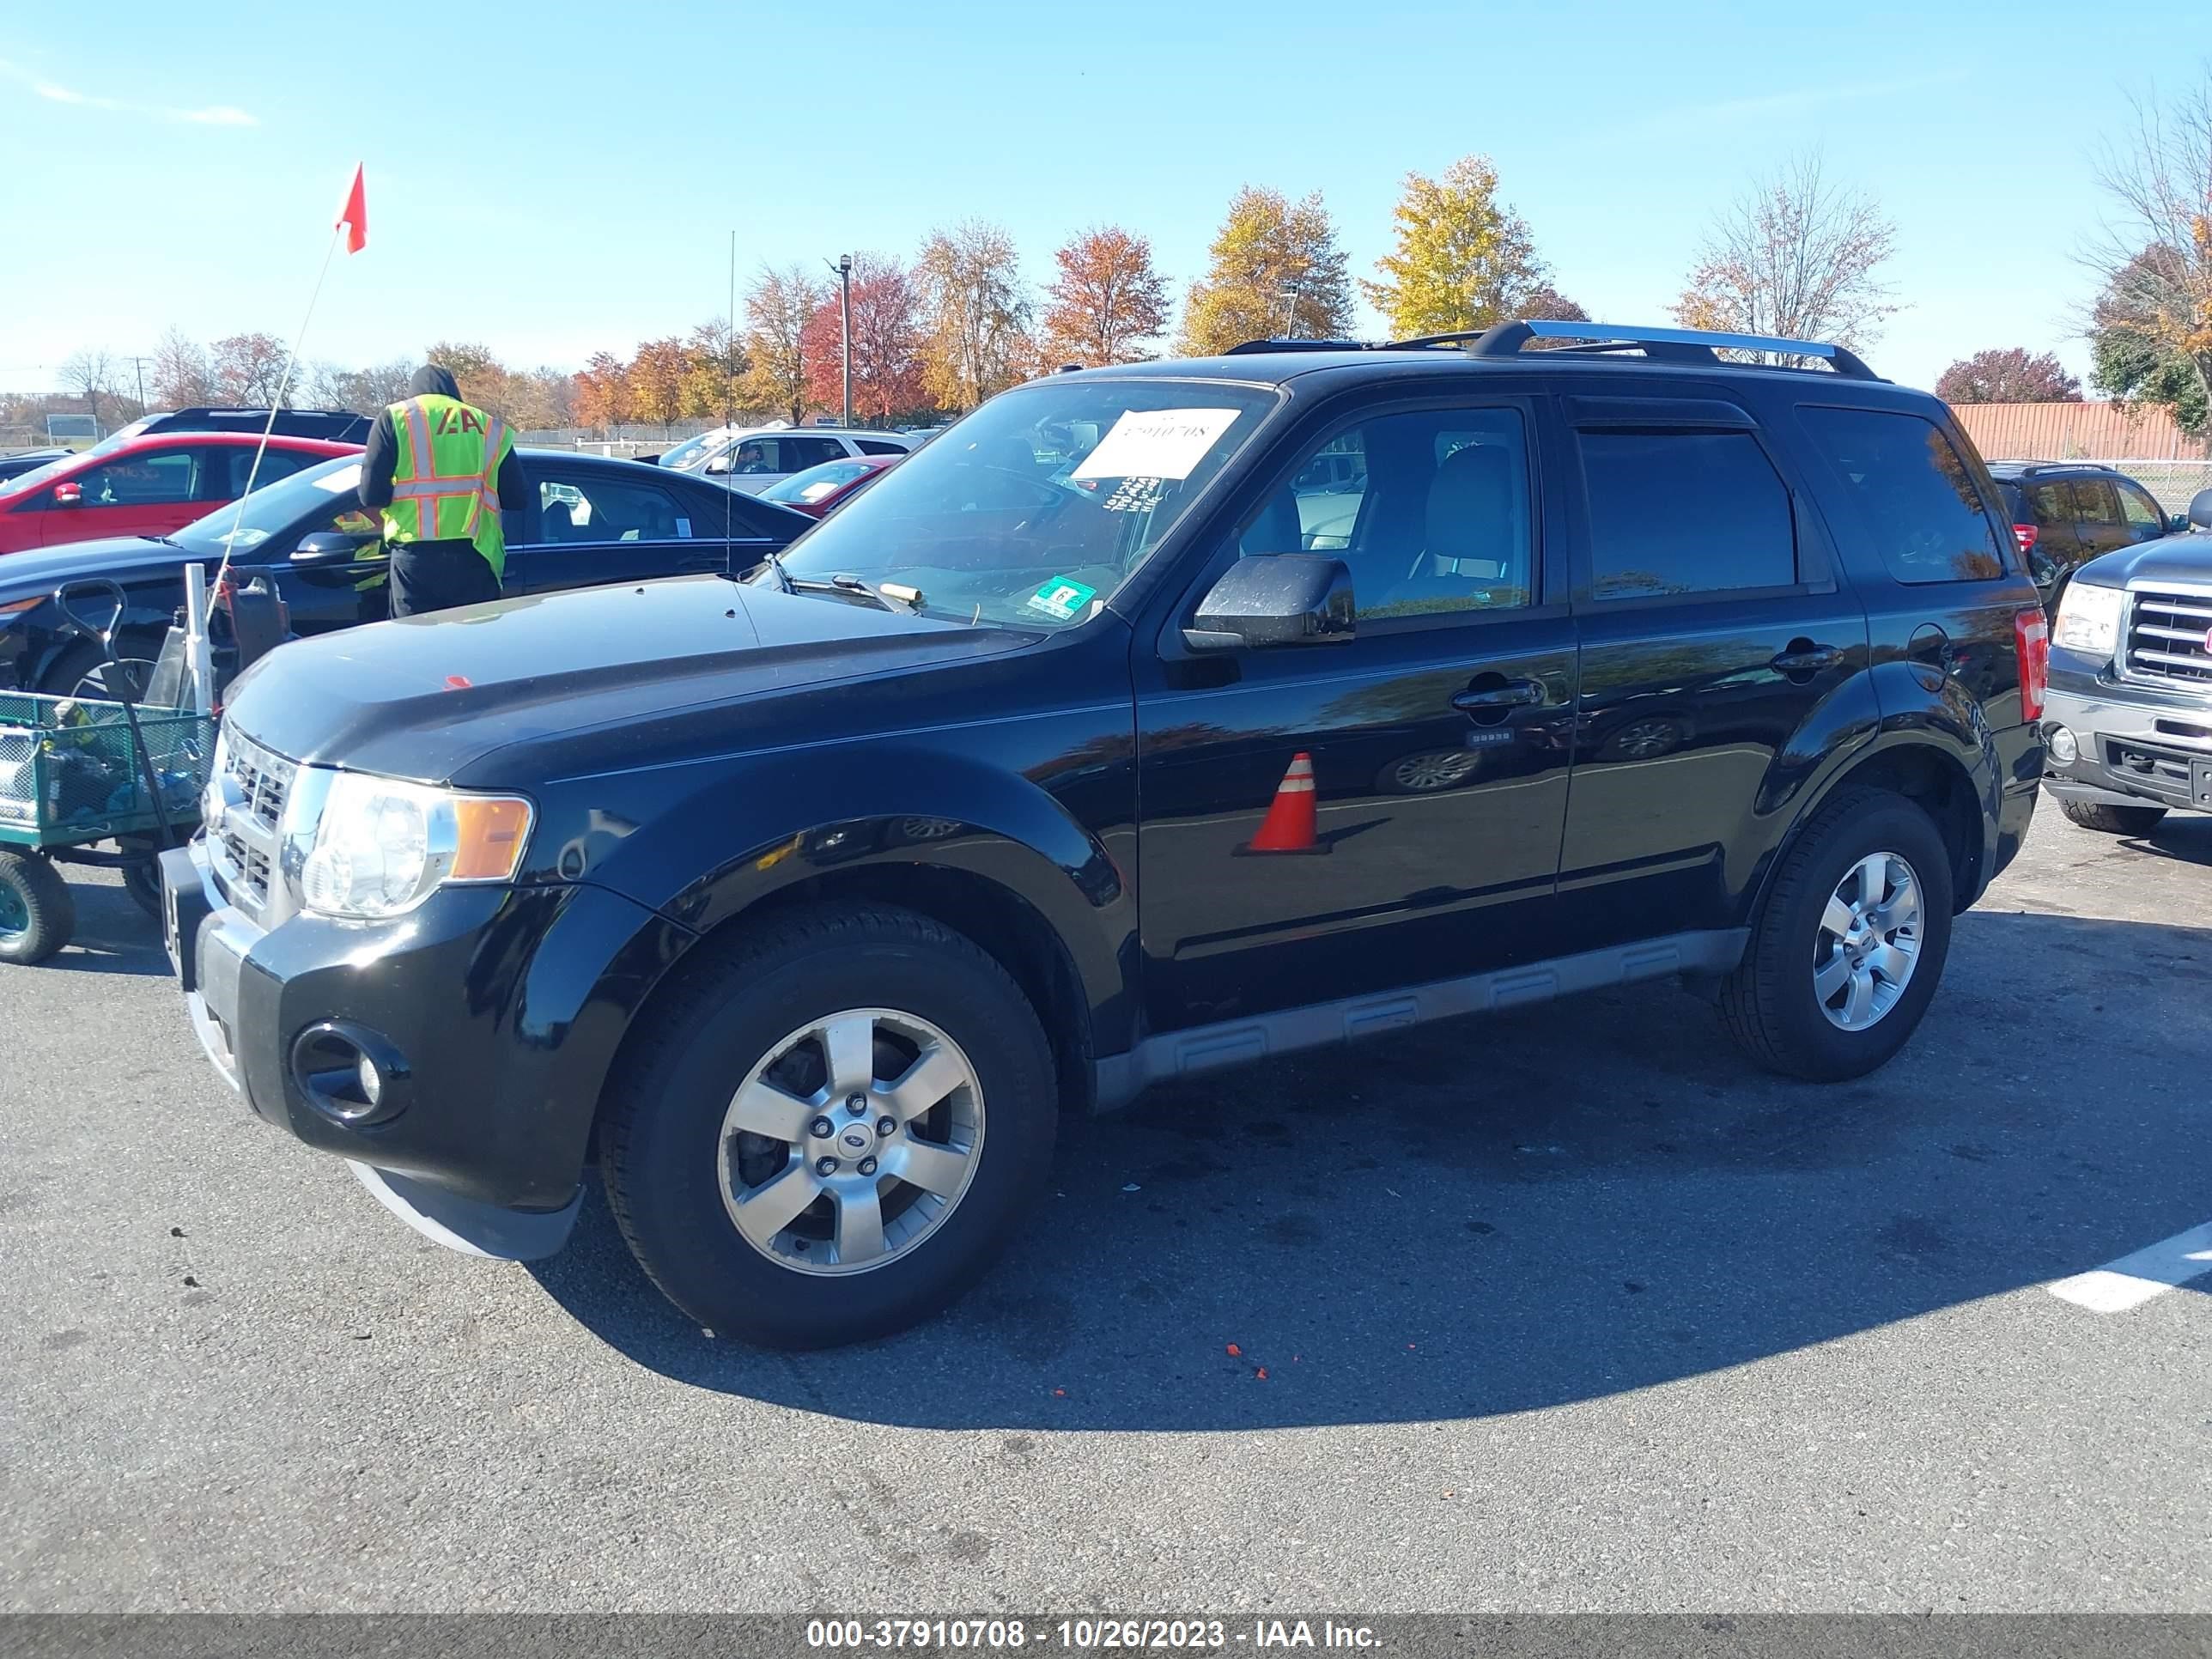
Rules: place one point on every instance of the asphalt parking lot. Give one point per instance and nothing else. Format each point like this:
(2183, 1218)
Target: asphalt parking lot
(1568, 1311)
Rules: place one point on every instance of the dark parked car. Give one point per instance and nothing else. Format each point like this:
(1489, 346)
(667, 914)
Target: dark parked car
(338, 426)
(25, 460)
(592, 520)
(2129, 724)
(2065, 514)
(1067, 757)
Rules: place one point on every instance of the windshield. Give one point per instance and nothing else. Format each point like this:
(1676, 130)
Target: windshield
(52, 470)
(1035, 509)
(691, 451)
(274, 508)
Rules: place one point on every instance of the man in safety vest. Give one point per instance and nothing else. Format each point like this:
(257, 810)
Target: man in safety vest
(440, 470)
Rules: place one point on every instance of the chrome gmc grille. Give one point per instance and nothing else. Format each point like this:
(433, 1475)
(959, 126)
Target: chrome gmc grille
(2170, 635)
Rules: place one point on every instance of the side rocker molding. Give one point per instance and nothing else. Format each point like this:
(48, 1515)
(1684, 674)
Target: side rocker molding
(1121, 1078)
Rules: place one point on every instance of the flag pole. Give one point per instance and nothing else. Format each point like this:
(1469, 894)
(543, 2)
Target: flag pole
(277, 403)
(352, 224)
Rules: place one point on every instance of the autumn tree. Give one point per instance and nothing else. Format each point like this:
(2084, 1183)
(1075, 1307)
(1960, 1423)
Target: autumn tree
(182, 377)
(249, 369)
(777, 307)
(714, 371)
(2010, 375)
(1106, 303)
(2151, 331)
(656, 382)
(886, 343)
(1795, 255)
(1463, 259)
(89, 374)
(603, 393)
(1275, 269)
(975, 315)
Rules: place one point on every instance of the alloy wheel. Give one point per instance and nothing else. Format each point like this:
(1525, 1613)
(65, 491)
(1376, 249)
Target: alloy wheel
(1868, 943)
(853, 1140)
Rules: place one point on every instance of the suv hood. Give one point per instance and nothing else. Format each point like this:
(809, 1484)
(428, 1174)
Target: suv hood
(44, 570)
(423, 697)
(2185, 557)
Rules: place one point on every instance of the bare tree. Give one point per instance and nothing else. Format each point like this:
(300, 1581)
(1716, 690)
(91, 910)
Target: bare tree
(1795, 255)
(2154, 252)
(182, 376)
(89, 374)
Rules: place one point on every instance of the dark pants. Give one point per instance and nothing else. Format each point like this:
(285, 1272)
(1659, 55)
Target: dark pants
(438, 575)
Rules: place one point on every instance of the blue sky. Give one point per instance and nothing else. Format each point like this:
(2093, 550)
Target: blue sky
(565, 177)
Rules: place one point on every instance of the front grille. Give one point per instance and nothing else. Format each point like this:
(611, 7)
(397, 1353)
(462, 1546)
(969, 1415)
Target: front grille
(245, 867)
(2170, 635)
(243, 838)
(263, 778)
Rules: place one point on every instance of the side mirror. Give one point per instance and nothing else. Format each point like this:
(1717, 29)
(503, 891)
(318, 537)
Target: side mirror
(69, 494)
(1279, 599)
(719, 464)
(2200, 510)
(327, 547)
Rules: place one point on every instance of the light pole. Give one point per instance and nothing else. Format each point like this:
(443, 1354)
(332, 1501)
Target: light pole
(844, 269)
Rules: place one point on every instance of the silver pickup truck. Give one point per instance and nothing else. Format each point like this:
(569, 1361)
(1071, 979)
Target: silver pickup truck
(2127, 725)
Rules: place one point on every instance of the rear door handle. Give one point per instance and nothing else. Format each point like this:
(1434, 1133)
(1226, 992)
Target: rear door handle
(1513, 693)
(1808, 659)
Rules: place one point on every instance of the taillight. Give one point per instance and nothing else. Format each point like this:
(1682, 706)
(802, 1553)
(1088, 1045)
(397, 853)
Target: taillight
(2024, 534)
(2031, 644)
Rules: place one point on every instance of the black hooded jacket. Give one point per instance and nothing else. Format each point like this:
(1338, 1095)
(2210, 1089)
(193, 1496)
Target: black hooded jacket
(382, 455)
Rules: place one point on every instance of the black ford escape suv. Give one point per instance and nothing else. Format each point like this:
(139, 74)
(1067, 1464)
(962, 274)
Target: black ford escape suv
(1110, 739)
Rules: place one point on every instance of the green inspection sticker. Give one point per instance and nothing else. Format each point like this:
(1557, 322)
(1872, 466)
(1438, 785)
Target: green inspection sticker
(1062, 596)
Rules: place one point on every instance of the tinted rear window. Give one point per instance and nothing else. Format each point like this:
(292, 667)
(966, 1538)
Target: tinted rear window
(1913, 490)
(1685, 512)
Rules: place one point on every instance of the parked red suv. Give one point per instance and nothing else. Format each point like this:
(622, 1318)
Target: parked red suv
(144, 485)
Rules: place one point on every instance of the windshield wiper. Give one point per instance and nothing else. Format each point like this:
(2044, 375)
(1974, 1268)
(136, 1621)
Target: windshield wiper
(891, 596)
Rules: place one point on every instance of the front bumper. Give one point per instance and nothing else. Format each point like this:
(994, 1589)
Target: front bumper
(2136, 745)
(502, 1008)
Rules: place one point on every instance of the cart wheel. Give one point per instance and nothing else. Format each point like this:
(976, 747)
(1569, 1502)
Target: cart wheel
(37, 914)
(142, 881)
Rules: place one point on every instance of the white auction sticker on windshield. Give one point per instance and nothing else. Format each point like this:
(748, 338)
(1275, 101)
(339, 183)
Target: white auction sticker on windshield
(1156, 443)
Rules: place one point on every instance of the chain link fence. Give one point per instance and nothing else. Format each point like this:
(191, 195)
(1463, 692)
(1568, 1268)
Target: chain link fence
(2174, 482)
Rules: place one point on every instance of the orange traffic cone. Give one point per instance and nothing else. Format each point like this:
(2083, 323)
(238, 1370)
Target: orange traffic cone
(1289, 825)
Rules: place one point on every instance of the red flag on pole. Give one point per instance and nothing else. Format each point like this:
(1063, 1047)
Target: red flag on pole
(353, 215)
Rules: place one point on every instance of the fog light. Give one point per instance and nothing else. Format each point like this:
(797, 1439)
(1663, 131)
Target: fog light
(349, 1074)
(2064, 749)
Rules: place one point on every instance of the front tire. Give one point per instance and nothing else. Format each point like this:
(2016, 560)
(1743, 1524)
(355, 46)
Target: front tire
(2113, 820)
(1850, 944)
(759, 1225)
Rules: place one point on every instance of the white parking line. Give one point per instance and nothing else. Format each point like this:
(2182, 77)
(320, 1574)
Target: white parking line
(2134, 1279)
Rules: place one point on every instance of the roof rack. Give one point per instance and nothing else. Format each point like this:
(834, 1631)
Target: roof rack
(1250, 346)
(1691, 345)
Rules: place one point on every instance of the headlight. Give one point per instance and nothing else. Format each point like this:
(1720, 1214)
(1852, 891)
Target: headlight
(2089, 619)
(382, 845)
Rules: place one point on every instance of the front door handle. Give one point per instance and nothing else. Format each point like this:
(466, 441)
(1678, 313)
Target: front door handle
(1807, 659)
(1513, 693)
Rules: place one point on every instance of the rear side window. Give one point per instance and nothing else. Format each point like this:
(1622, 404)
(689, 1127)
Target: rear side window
(1917, 497)
(1685, 512)
(878, 446)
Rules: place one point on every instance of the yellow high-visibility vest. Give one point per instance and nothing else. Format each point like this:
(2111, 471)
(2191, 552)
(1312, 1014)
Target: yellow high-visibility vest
(446, 484)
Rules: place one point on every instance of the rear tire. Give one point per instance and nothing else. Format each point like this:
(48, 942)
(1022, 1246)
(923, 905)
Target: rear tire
(1793, 1003)
(37, 914)
(2113, 820)
(81, 672)
(755, 1021)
